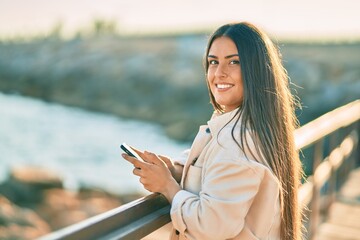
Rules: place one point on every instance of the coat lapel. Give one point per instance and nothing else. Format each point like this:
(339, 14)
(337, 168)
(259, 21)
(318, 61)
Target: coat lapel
(202, 138)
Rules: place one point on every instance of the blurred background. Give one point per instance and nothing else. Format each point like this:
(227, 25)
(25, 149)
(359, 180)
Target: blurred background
(78, 78)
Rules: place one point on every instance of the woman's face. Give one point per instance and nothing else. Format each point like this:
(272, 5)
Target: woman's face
(224, 74)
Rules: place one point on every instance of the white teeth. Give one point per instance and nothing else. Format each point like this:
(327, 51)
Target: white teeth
(222, 86)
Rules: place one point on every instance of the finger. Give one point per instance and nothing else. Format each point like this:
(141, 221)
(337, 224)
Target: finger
(140, 153)
(166, 160)
(146, 187)
(137, 163)
(143, 181)
(129, 158)
(153, 158)
(137, 172)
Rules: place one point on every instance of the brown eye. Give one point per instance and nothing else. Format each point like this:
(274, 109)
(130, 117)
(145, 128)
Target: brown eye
(213, 62)
(235, 62)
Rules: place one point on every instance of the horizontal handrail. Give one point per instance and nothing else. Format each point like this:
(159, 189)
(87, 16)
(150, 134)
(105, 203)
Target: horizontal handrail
(129, 221)
(139, 218)
(326, 124)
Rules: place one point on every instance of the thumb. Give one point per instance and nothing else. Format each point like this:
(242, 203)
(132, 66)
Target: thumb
(140, 153)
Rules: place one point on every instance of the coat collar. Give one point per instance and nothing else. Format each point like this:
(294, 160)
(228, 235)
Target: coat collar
(218, 121)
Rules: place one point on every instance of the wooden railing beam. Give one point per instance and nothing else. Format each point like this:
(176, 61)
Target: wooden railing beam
(326, 124)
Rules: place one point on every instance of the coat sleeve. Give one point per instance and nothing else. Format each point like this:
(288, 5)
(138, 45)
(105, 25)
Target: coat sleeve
(219, 211)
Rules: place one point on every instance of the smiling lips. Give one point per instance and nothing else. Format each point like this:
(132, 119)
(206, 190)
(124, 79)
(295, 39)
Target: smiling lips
(223, 86)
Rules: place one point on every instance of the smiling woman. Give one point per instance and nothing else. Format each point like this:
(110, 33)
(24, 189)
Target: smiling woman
(241, 177)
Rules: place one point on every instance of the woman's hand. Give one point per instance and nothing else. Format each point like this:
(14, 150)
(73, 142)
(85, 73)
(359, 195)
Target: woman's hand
(155, 173)
(176, 170)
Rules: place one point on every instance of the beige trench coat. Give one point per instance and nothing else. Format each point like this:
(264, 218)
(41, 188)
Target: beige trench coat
(225, 195)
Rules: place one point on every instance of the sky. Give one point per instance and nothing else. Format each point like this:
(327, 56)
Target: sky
(334, 19)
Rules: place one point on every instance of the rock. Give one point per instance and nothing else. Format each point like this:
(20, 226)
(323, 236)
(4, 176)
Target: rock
(25, 185)
(39, 177)
(61, 208)
(52, 207)
(20, 223)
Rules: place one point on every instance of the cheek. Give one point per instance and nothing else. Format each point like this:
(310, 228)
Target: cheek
(238, 77)
(208, 83)
(210, 75)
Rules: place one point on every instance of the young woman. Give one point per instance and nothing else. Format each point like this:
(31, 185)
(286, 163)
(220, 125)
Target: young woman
(241, 177)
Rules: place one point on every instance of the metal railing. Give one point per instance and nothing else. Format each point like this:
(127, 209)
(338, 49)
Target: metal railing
(337, 131)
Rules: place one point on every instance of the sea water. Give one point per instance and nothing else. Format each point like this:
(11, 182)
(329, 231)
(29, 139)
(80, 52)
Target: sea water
(81, 146)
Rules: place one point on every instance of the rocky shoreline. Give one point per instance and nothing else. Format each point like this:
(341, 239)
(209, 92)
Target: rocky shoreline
(160, 78)
(34, 203)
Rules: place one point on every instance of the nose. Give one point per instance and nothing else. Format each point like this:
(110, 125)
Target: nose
(221, 71)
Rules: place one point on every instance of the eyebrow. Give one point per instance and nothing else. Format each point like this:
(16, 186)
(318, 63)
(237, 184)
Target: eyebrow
(229, 56)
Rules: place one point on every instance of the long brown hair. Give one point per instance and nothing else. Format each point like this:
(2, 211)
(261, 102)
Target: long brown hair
(268, 108)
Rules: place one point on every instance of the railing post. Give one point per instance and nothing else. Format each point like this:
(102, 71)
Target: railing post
(333, 177)
(357, 153)
(315, 203)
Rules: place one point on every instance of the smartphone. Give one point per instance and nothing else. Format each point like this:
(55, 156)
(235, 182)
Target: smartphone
(128, 150)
